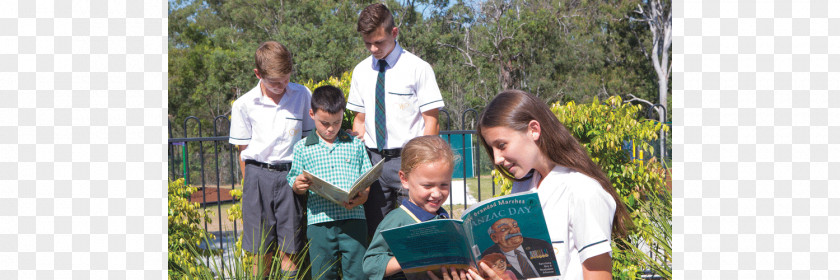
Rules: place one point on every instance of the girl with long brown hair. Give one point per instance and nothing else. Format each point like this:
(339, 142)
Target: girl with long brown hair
(581, 207)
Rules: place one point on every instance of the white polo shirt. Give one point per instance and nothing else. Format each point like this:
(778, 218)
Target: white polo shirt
(579, 215)
(410, 89)
(270, 130)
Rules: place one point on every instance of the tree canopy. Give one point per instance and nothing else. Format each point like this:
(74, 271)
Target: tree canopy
(571, 50)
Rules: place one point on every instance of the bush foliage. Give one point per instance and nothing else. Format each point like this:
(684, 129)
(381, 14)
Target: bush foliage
(185, 234)
(605, 129)
(342, 83)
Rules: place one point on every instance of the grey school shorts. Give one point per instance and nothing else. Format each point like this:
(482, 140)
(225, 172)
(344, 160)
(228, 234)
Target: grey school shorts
(272, 214)
(384, 193)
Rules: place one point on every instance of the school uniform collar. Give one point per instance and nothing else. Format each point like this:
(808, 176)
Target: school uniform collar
(313, 137)
(421, 214)
(391, 59)
(265, 100)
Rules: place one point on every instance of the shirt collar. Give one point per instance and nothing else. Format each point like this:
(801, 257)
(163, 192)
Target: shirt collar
(313, 137)
(267, 101)
(421, 214)
(391, 58)
(512, 253)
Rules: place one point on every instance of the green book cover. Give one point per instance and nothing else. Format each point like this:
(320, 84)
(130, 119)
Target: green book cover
(493, 230)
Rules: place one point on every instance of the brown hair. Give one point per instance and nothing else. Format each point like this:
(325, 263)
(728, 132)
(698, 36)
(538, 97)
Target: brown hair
(514, 109)
(492, 258)
(425, 149)
(374, 16)
(273, 59)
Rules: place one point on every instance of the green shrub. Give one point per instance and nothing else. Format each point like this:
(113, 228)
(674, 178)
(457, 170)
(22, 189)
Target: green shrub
(654, 224)
(342, 83)
(603, 128)
(188, 261)
(184, 230)
(504, 183)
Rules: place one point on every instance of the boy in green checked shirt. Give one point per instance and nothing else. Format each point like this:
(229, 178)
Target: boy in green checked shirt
(331, 154)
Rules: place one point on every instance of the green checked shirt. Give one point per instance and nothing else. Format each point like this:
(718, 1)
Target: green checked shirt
(340, 164)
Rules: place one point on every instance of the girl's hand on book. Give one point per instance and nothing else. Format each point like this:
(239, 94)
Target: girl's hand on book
(301, 184)
(492, 275)
(451, 274)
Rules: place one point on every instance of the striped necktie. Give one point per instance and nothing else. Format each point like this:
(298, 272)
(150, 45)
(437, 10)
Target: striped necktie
(527, 272)
(380, 106)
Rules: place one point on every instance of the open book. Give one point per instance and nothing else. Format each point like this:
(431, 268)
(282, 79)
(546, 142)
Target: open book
(336, 194)
(486, 230)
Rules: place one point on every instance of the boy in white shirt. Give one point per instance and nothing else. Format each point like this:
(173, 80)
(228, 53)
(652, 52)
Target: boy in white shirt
(265, 123)
(396, 98)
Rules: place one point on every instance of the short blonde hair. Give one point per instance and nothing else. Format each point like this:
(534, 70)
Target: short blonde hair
(273, 59)
(425, 149)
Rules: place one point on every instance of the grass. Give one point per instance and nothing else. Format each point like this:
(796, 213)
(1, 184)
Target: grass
(472, 187)
(486, 187)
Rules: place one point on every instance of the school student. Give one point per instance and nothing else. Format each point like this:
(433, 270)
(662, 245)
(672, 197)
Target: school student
(425, 171)
(336, 232)
(520, 133)
(396, 98)
(265, 123)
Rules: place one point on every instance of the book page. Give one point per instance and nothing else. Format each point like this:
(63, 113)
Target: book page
(325, 189)
(366, 179)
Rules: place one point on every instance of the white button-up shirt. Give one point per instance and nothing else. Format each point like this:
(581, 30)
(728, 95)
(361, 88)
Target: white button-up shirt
(410, 89)
(270, 130)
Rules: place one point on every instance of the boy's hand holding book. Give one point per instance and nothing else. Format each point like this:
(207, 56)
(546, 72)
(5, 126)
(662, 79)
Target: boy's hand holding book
(301, 185)
(357, 200)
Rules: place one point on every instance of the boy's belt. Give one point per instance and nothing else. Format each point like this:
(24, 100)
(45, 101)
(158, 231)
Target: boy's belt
(278, 167)
(390, 153)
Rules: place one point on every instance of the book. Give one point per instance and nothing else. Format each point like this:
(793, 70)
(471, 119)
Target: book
(513, 220)
(338, 195)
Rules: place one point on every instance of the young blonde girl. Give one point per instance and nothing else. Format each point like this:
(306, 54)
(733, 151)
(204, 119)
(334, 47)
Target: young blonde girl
(520, 133)
(426, 171)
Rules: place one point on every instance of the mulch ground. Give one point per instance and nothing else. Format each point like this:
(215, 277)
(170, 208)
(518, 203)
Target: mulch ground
(212, 195)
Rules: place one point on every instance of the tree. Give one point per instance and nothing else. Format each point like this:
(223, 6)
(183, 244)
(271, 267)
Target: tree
(658, 18)
(559, 51)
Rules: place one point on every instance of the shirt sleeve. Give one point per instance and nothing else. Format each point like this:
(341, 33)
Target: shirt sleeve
(379, 253)
(592, 211)
(308, 123)
(240, 126)
(428, 93)
(355, 102)
(363, 156)
(297, 163)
